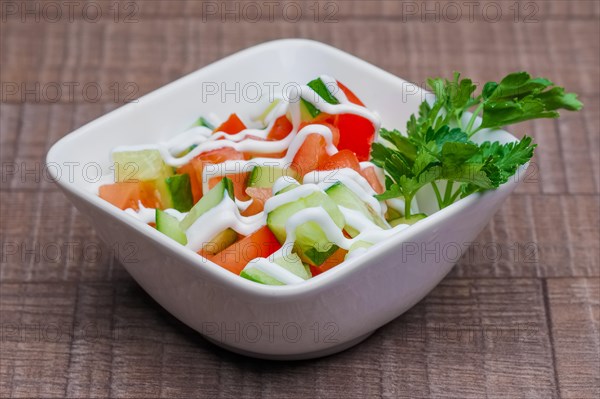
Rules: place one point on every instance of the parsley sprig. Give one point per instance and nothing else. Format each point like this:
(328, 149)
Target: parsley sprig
(437, 145)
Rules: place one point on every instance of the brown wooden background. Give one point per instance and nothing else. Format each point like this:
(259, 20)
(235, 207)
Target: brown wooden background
(518, 316)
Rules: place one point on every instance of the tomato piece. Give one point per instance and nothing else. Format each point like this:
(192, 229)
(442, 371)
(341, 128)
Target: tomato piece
(371, 176)
(356, 133)
(281, 128)
(311, 154)
(221, 155)
(259, 196)
(195, 167)
(232, 125)
(341, 159)
(194, 170)
(259, 244)
(129, 194)
(239, 184)
(335, 132)
(324, 118)
(351, 96)
(335, 259)
(314, 270)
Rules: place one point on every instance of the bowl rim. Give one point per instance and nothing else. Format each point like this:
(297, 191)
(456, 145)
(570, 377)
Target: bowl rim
(191, 259)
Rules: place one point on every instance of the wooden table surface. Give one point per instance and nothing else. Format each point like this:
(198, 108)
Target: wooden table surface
(518, 317)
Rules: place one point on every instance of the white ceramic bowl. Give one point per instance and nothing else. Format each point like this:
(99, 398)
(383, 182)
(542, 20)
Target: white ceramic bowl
(324, 315)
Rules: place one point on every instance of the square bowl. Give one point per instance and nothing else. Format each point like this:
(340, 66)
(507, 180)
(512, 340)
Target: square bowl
(321, 316)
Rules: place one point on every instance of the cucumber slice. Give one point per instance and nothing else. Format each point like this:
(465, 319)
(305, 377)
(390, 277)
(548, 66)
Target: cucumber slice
(258, 276)
(358, 245)
(266, 112)
(292, 263)
(392, 214)
(321, 89)
(291, 186)
(144, 165)
(345, 197)
(311, 244)
(308, 111)
(169, 226)
(220, 242)
(180, 191)
(265, 176)
(277, 218)
(140, 165)
(412, 220)
(203, 122)
(208, 201)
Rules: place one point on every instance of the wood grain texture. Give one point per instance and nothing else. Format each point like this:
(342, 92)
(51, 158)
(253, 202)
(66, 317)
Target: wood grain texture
(575, 318)
(111, 339)
(518, 317)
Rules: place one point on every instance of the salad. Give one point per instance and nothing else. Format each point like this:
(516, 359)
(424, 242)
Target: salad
(305, 185)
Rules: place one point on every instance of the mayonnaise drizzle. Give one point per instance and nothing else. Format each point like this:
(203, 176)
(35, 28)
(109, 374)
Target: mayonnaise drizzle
(352, 180)
(295, 142)
(205, 140)
(227, 213)
(221, 217)
(148, 215)
(371, 233)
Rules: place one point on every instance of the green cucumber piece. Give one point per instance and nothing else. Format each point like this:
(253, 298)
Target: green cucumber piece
(144, 165)
(321, 89)
(200, 122)
(305, 112)
(276, 219)
(220, 242)
(392, 214)
(203, 122)
(180, 191)
(169, 226)
(357, 245)
(308, 111)
(345, 197)
(311, 243)
(412, 220)
(267, 110)
(265, 176)
(293, 263)
(258, 276)
(208, 201)
(287, 188)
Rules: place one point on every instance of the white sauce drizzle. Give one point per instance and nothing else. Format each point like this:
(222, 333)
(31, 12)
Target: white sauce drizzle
(372, 234)
(219, 218)
(148, 215)
(227, 213)
(352, 180)
(274, 270)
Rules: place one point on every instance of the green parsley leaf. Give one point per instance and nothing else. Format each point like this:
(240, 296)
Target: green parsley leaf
(519, 98)
(437, 148)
